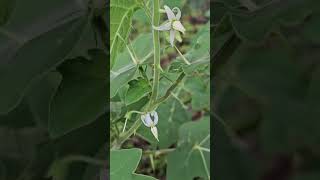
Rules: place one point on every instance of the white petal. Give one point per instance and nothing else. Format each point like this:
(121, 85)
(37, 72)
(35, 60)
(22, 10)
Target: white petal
(172, 34)
(178, 26)
(154, 131)
(178, 16)
(163, 27)
(155, 119)
(169, 12)
(146, 120)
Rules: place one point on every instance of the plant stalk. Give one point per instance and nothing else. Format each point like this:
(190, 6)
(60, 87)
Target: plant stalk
(156, 49)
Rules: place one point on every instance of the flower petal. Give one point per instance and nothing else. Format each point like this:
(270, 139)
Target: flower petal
(146, 120)
(169, 12)
(178, 16)
(163, 27)
(172, 34)
(154, 131)
(178, 26)
(155, 117)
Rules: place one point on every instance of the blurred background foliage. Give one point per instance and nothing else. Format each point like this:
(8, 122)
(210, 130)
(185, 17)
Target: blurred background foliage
(53, 76)
(266, 89)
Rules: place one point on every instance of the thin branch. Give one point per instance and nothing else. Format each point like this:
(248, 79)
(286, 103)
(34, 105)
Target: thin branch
(171, 88)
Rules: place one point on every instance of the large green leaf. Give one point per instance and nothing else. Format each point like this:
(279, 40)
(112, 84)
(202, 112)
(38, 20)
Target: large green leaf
(121, 12)
(265, 71)
(188, 162)
(33, 46)
(40, 95)
(124, 68)
(199, 54)
(230, 161)
(200, 92)
(124, 162)
(79, 100)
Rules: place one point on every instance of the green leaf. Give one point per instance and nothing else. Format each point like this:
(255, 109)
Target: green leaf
(121, 12)
(125, 171)
(124, 69)
(40, 95)
(58, 170)
(188, 162)
(231, 163)
(142, 177)
(173, 3)
(138, 88)
(6, 8)
(200, 92)
(48, 44)
(309, 175)
(78, 101)
(265, 71)
(309, 29)
(199, 54)
(257, 25)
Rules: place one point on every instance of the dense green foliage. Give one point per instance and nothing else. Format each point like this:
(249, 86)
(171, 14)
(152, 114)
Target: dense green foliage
(53, 75)
(266, 89)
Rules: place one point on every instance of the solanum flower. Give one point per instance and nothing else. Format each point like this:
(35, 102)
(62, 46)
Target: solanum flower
(150, 119)
(173, 25)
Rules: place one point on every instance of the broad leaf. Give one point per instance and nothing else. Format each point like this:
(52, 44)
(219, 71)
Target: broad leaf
(78, 101)
(123, 164)
(199, 55)
(33, 46)
(121, 12)
(188, 162)
(200, 92)
(40, 95)
(124, 68)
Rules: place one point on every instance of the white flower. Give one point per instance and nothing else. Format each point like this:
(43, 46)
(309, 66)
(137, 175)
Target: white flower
(151, 120)
(174, 25)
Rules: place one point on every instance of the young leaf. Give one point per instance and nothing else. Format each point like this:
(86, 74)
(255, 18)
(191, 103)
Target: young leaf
(138, 88)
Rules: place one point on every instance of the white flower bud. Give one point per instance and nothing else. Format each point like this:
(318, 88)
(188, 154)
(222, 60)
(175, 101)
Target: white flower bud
(150, 119)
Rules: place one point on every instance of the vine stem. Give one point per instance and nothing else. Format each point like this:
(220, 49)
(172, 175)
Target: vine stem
(156, 49)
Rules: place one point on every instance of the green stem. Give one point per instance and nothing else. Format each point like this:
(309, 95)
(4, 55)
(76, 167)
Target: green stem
(156, 46)
(157, 153)
(124, 136)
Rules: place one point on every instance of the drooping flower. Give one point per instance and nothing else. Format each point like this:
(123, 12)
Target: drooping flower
(150, 119)
(173, 25)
